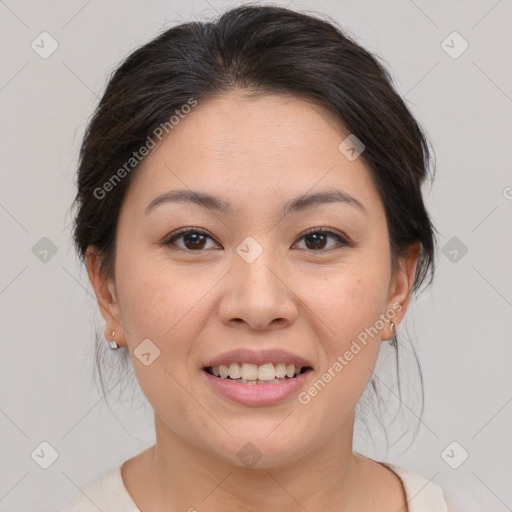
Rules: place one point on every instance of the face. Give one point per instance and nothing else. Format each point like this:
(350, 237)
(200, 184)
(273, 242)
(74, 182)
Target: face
(250, 276)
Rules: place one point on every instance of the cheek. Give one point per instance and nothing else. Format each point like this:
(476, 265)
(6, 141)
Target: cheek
(165, 308)
(155, 301)
(349, 300)
(347, 306)
(169, 308)
(350, 345)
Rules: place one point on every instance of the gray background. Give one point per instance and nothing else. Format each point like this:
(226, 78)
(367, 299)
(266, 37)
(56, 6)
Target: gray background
(460, 326)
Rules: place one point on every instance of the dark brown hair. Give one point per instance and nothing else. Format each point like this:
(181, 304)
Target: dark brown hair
(256, 49)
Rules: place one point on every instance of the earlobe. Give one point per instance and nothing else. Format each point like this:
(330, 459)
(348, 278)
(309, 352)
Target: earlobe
(104, 289)
(401, 285)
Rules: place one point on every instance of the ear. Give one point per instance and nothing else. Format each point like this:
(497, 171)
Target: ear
(106, 295)
(400, 288)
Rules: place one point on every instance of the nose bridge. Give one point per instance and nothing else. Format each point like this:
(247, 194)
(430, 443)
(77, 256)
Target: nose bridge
(260, 274)
(258, 294)
(255, 269)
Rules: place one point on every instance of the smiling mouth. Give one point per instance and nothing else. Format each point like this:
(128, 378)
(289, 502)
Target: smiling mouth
(255, 377)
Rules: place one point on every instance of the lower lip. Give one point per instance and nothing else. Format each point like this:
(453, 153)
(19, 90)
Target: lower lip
(257, 394)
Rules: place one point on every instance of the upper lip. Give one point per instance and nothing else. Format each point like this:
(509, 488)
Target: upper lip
(259, 357)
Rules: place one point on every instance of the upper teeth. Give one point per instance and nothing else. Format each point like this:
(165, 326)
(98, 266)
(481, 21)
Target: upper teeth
(249, 371)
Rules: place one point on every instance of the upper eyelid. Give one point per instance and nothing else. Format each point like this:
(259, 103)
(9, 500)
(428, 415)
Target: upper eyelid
(330, 231)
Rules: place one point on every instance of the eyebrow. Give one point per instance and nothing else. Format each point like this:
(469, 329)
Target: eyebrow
(295, 205)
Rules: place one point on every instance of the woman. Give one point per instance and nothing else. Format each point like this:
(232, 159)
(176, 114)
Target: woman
(250, 213)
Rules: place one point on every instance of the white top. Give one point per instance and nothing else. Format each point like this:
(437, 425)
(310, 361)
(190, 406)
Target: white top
(108, 493)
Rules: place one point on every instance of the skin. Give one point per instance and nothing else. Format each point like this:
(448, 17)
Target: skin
(256, 153)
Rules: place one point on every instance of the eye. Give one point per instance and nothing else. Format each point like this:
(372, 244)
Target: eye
(316, 238)
(194, 240)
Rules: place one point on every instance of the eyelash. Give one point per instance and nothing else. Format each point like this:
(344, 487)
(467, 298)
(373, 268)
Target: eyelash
(342, 240)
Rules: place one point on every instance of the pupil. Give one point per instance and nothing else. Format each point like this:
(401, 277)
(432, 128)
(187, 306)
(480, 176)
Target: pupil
(318, 238)
(194, 237)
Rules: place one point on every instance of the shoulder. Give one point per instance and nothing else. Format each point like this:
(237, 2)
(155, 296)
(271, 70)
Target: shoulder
(422, 495)
(106, 493)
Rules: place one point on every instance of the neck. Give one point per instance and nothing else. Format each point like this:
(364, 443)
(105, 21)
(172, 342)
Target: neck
(187, 477)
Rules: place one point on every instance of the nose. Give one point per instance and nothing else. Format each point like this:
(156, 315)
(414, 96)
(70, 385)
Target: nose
(258, 295)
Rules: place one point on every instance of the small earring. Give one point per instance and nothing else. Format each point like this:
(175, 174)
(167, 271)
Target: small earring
(392, 340)
(113, 344)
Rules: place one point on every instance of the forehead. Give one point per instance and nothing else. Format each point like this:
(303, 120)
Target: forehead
(270, 125)
(259, 148)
